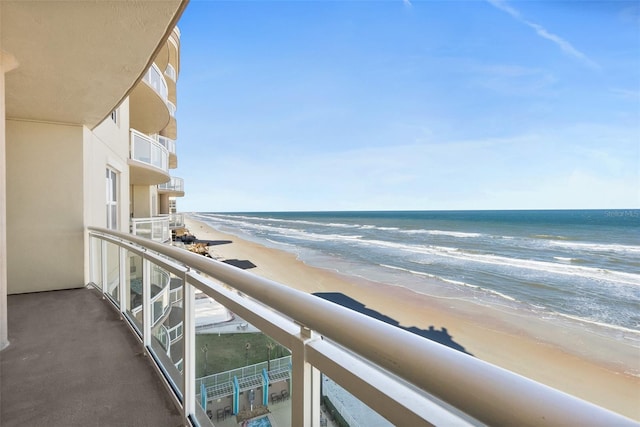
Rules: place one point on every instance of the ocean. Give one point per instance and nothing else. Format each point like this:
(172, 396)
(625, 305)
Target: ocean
(569, 265)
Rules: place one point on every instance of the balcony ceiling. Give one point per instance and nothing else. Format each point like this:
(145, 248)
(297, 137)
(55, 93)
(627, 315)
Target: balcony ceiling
(78, 60)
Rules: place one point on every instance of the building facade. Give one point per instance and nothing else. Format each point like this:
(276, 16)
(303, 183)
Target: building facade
(88, 138)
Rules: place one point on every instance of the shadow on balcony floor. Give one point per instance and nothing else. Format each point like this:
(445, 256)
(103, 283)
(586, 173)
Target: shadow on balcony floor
(441, 336)
(73, 362)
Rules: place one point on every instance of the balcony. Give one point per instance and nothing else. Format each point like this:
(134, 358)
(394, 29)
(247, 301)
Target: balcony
(174, 187)
(171, 78)
(73, 362)
(148, 102)
(170, 145)
(176, 220)
(149, 162)
(155, 228)
(429, 384)
(171, 130)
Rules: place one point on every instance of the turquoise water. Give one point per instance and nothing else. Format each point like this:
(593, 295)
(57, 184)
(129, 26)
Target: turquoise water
(583, 265)
(259, 422)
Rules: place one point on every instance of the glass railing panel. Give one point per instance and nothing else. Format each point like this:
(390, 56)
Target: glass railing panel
(170, 72)
(160, 294)
(145, 149)
(159, 156)
(172, 108)
(154, 78)
(134, 286)
(175, 184)
(96, 262)
(176, 220)
(340, 407)
(167, 143)
(168, 331)
(156, 228)
(112, 286)
(241, 373)
(141, 148)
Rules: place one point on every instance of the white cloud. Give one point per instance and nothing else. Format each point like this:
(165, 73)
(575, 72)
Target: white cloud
(563, 44)
(407, 3)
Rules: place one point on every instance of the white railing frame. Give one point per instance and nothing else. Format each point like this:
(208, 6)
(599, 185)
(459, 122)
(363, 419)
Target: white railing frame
(158, 153)
(348, 346)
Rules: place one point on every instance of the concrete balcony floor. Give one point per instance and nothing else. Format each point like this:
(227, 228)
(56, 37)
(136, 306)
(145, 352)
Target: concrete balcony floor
(72, 362)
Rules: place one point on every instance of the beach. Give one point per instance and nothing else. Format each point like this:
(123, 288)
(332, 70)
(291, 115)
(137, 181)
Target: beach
(575, 360)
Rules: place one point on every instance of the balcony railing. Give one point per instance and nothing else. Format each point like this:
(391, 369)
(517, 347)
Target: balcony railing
(172, 108)
(145, 149)
(176, 220)
(155, 228)
(405, 378)
(175, 184)
(167, 143)
(170, 72)
(154, 78)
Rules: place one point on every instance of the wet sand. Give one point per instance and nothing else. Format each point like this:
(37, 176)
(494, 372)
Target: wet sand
(577, 361)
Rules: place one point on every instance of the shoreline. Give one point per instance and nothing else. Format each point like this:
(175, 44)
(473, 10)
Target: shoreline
(572, 359)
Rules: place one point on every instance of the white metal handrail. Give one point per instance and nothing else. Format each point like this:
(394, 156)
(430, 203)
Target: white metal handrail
(146, 150)
(327, 337)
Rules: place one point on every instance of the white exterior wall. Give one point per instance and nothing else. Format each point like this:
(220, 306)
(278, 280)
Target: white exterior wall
(45, 196)
(141, 201)
(106, 146)
(7, 63)
(57, 187)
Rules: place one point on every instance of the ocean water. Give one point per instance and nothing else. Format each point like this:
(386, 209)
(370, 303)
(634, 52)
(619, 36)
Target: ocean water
(581, 265)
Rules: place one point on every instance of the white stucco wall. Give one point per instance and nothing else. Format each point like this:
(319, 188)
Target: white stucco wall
(45, 233)
(56, 188)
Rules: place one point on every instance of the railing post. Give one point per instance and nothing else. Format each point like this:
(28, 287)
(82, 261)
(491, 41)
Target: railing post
(147, 315)
(189, 338)
(104, 267)
(124, 295)
(305, 384)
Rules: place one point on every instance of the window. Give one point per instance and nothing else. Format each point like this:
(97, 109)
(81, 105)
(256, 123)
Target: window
(114, 116)
(112, 199)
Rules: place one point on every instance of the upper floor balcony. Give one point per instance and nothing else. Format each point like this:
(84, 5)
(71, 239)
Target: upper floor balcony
(149, 112)
(170, 145)
(171, 78)
(154, 228)
(174, 187)
(171, 130)
(149, 160)
(176, 220)
(169, 52)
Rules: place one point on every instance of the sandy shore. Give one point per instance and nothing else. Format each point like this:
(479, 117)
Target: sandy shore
(588, 365)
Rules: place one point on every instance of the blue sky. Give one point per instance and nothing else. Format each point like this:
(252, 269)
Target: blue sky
(391, 105)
